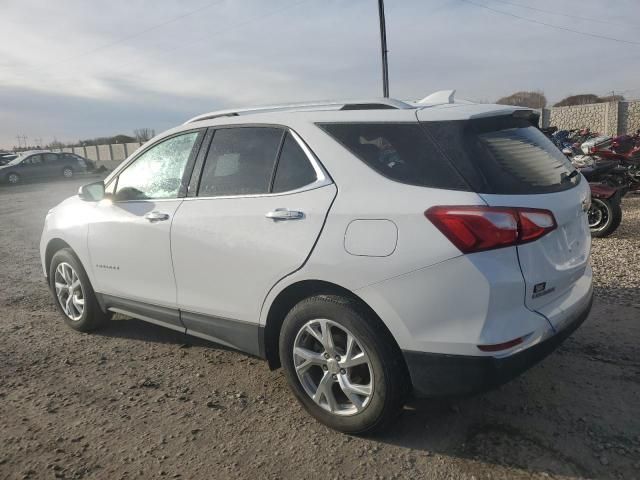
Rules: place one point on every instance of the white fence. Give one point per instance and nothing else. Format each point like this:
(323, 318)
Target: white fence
(108, 155)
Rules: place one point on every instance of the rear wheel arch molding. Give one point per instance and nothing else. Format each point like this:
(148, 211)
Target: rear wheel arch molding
(290, 296)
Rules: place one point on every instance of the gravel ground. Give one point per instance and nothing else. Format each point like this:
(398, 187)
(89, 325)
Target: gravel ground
(136, 400)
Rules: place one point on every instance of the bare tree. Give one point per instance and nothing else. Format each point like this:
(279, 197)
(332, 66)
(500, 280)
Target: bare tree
(525, 99)
(586, 98)
(144, 134)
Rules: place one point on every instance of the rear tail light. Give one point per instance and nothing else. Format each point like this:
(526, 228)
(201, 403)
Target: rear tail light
(479, 228)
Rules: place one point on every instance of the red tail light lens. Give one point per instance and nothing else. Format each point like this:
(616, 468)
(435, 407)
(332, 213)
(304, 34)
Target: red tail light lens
(479, 228)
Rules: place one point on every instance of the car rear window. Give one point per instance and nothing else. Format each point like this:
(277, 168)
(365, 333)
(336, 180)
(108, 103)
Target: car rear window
(503, 155)
(399, 151)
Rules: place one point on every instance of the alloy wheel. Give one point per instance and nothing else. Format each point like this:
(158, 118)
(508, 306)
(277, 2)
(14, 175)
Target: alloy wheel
(67, 172)
(333, 367)
(69, 291)
(13, 178)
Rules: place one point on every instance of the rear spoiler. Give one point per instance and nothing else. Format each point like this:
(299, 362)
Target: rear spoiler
(531, 115)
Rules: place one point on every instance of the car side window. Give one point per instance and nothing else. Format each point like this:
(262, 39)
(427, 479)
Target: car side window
(33, 160)
(294, 169)
(240, 161)
(50, 157)
(157, 173)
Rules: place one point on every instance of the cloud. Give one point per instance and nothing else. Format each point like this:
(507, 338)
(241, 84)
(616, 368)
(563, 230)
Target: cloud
(74, 69)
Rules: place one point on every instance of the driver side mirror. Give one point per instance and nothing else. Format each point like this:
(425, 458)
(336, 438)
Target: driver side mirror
(92, 192)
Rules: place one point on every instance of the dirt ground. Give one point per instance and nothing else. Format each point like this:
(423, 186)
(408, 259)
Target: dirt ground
(140, 401)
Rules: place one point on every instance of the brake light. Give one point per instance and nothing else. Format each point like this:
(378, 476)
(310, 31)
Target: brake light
(478, 228)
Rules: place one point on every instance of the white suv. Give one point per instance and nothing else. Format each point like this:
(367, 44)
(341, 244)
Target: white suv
(373, 249)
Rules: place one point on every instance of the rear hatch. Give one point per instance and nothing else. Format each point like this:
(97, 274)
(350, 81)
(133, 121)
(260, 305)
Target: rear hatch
(511, 163)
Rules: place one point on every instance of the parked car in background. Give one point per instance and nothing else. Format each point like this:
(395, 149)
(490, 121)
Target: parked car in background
(371, 248)
(42, 164)
(6, 157)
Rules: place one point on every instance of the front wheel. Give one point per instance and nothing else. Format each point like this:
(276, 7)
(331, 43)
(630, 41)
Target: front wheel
(13, 178)
(604, 216)
(73, 293)
(341, 365)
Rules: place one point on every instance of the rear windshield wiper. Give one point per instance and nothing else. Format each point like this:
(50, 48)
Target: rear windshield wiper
(567, 178)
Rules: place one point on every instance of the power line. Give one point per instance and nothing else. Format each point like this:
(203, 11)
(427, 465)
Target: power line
(558, 27)
(567, 15)
(219, 32)
(139, 33)
(231, 27)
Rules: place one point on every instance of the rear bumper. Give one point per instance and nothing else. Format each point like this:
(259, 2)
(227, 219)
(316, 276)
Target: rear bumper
(434, 374)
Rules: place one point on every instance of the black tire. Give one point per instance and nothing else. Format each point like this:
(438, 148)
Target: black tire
(12, 178)
(67, 172)
(390, 382)
(92, 316)
(610, 212)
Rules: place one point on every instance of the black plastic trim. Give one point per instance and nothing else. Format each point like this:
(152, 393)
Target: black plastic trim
(163, 315)
(247, 337)
(243, 336)
(442, 375)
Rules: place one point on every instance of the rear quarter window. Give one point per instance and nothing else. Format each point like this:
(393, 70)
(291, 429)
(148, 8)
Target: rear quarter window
(503, 155)
(399, 151)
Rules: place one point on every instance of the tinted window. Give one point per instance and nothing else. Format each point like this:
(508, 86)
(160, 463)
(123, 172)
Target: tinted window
(33, 160)
(240, 161)
(399, 151)
(503, 155)
(50, 157)
(157, 173)
(294, 170)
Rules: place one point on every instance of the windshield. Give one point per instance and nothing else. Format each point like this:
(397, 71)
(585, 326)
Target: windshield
(16, 160)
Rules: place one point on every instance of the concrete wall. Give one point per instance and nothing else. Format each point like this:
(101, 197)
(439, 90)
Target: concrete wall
(108, 156)
(591, 116)
(613, 118)
(629, 116)
(118, 152)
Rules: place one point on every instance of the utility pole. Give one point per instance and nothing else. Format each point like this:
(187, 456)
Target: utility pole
(383, 47)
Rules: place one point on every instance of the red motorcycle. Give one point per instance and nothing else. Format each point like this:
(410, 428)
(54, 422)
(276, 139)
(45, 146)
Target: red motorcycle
(625, 150)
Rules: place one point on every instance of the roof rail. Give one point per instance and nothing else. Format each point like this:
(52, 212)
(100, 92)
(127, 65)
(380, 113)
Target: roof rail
(378, 103)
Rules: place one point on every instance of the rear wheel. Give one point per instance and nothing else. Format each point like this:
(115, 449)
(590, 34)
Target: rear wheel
(73, 293)
(67, 172)
(341, 365)
(13, 178)
(604, 216)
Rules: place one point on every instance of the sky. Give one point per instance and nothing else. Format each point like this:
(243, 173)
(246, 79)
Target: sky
(73, 69)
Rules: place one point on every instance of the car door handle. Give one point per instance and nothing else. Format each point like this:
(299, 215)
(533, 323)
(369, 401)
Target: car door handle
(284, 214)
(156, 216)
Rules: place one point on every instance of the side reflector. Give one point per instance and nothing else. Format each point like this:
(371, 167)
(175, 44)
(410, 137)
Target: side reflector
(501, 346)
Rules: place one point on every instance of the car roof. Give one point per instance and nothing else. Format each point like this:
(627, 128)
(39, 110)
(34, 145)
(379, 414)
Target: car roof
(32, 152)
(441, 105)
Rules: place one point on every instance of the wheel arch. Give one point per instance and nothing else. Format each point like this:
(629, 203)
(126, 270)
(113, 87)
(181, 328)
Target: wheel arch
(291, 296)
(54, 245)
